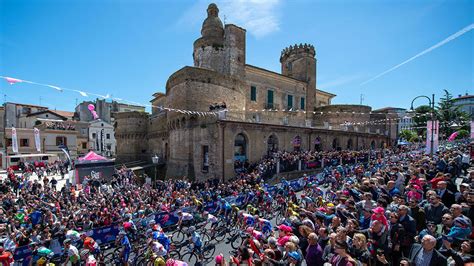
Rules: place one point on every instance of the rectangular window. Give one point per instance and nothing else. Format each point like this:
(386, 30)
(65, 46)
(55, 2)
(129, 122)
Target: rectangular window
(24, 142)
(61, 141)
(93, 135)
(9, 142)
(253, 93)
(84, 145)
(205, 159)
(108, 136)
(290, 102)
(269, 99)
(302, 103)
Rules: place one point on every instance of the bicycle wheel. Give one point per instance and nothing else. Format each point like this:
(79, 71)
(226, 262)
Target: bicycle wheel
(109, 259)
(209, 251)
(174, 254)
(237, 242)
(190, 258)
(220, 233)
(178, 236)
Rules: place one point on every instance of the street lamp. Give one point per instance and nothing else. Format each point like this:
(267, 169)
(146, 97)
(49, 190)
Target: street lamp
(432, 106)
(156, 160)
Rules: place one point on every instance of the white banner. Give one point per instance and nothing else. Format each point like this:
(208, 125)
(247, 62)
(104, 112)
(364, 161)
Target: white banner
(432, 126)
(472, 129)
(37, 139)
(14, 141)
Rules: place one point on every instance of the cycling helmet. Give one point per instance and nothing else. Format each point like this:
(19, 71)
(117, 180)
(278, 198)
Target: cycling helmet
(84, 252)
(156, 227)
(205, 213)
(191, 229)
(67, 241)
(122, 232)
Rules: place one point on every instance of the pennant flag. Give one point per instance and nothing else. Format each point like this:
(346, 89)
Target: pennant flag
(55, 87)
(13, 80)
(81, 93)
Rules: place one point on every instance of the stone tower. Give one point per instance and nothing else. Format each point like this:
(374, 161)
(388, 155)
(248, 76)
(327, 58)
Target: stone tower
(220, 49)
(209, 50)
(299, 62)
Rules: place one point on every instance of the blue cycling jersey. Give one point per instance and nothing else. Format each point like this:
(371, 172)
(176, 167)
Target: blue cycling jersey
(196, 239)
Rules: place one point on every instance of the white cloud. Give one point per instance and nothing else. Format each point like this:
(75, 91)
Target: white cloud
(258, 17)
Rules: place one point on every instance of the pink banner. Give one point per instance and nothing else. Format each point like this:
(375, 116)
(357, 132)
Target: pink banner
(472, 129)
(432, 126)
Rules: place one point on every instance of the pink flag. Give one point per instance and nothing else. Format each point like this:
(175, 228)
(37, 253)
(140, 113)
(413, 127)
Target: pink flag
(12, 80)
(453, 136)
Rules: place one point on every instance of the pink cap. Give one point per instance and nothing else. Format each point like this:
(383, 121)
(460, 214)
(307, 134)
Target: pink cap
(379, 210)
(219, 259)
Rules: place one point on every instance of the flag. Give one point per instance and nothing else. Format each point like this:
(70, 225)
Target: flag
(12, 80)
(81, 93)
(14, 141)
(55, 87)
(37, 139)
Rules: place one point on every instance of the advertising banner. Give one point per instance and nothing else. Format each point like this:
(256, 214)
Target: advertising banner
(432, 129)
(37, 140)
(14, 140)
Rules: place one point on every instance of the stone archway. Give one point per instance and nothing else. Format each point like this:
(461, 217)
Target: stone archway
(350, 145)
(296, 143)
(335, 144)
(272, 144)
(317, 144)
(240, 152)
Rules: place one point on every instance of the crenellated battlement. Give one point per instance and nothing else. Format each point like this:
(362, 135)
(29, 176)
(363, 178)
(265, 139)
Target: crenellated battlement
(298, 49)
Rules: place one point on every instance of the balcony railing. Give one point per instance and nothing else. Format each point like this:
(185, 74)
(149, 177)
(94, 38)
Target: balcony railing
(271, 106)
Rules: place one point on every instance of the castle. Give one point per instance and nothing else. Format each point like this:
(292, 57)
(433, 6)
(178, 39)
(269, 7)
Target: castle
(266, 110)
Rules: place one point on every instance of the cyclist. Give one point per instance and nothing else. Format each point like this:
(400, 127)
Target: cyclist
(234, 212)
(196, 241)
(252, 210)
(213, 220)
(264, 225)
(74, 236)
(72, 253)
(90, 244)
(248, 219)
(156, 250)
(267, 198)
(41, 255)
(254, 233)
(126, 247)
(88, 258)
(224, 209)
(161, 237)
(185, 218)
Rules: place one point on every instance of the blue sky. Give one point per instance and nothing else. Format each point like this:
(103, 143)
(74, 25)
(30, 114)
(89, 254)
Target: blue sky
(129, 48)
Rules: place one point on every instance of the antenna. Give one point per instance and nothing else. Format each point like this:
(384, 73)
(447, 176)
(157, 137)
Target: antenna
(361, 98)
(76, 101)
(225, 18)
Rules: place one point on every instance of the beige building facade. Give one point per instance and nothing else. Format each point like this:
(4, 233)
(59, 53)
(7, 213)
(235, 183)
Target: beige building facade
(265, 110)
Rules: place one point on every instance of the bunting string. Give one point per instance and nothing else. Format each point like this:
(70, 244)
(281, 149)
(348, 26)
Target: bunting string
(13, 81)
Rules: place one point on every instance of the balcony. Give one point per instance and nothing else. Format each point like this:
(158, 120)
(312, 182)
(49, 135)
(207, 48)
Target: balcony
(272, 106)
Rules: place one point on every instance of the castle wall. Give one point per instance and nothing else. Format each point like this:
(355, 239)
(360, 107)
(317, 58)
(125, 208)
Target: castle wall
(131, 129)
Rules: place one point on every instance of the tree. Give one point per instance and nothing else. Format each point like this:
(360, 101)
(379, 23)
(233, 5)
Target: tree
(462, 134)
(422, 115)
(449, 115)
(407, 134)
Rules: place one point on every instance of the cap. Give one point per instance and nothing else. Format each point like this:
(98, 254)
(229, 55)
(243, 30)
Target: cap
(285, 228)
(219, 259)
(461, 220)
(379, 210)
(66, 241)
(294, 255)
